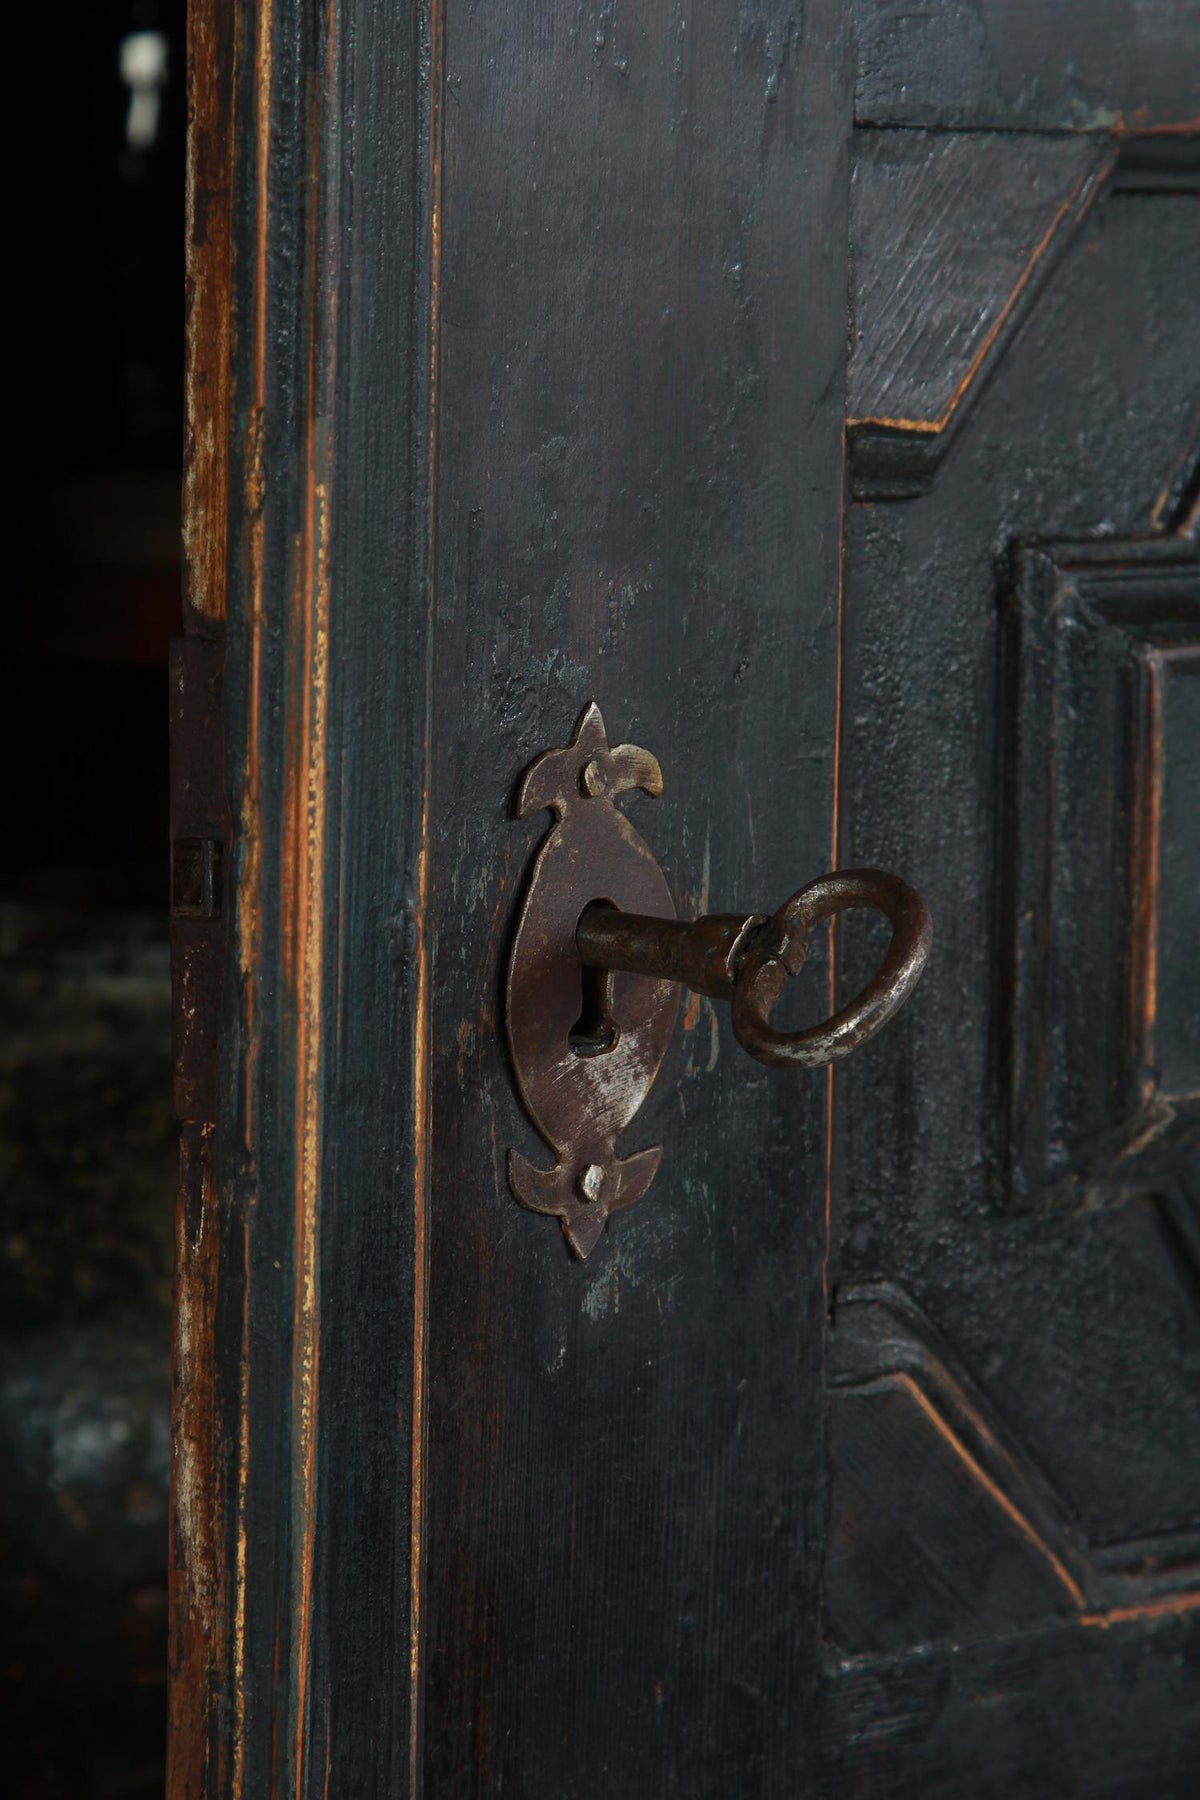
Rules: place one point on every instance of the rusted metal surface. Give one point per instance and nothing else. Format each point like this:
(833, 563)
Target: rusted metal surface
(704, 955)
(748, 958)
(581, 1094)
(586, 1051)
(779, 951)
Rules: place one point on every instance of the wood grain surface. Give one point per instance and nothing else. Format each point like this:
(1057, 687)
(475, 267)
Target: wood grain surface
(1070, 65)
(518, 358)
(954, 235)
(641, 295)
(1080, 1327)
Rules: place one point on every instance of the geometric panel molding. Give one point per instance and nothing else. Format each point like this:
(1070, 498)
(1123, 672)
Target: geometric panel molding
(1101, 1009)
(954, 235)
(941, 1528)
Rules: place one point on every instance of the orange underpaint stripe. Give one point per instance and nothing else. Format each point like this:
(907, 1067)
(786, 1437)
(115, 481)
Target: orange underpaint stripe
(1150, 1609)
(209, 271)
(1176, 128)
(249, 847)
(308, 798)
(1143, 963)
(306, 1336)
(1179, 474)
(422, 1049)
(930, 427)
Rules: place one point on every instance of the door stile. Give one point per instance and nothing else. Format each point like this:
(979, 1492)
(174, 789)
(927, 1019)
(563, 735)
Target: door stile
(299, 1233)
(352, 1558)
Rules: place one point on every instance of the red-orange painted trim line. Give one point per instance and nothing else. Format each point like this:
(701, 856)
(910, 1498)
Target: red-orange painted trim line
(249, 860)
(1010, 1510)
(1173, 128)
(304, 876)
(1149, 1609)
(1143, 963)
(1169, 491)
(422, 1047)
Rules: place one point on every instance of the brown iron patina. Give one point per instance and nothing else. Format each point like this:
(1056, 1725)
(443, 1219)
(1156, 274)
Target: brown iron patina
(748, 958)
(593, 978)
(583, 1079)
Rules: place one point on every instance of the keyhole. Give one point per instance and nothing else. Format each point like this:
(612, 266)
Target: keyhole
(595, 1031)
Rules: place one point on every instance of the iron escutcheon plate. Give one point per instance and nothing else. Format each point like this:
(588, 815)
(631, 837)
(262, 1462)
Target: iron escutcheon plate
(581, 1101)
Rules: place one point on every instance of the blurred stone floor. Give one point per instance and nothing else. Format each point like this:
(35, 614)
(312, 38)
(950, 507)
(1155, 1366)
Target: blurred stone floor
(87, 1171)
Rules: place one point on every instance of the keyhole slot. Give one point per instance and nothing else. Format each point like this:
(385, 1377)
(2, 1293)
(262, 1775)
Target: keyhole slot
(595, 1031)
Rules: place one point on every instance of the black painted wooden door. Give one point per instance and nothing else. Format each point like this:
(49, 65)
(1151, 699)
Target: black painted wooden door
(816, 389)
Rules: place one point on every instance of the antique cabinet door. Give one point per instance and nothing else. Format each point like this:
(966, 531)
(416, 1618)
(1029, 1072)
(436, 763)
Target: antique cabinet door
(814, 388)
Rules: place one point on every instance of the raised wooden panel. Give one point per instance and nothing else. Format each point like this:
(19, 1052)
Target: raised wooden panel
(1075, 65)
(922, 1548)
(954, 234)
(942, 1527)
(1104, 1095)
(1053, 1414)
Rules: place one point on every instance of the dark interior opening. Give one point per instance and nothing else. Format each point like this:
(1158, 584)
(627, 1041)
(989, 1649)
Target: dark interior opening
(596, 1030)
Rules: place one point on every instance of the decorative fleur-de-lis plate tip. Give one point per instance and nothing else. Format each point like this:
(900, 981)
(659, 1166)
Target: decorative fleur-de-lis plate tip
(581, 1095)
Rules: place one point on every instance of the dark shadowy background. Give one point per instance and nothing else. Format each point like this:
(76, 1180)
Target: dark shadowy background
(87, 1144)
